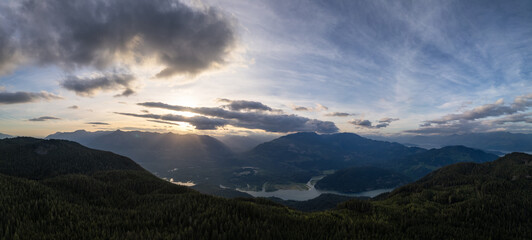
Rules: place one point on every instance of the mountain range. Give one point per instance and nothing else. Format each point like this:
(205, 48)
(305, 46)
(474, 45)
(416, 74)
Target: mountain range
(181, 157)
(418, 165)
(489, 141)
(283, 163)
(2, 136)
(81, 193)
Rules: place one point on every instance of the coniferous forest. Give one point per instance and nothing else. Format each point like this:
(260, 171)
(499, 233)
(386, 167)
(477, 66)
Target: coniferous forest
(54, 189)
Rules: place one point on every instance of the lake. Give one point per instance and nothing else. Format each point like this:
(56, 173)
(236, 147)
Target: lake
(312, 192)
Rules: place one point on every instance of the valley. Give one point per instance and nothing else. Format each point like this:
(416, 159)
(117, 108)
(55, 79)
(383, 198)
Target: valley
(289, 167)
(54, 189)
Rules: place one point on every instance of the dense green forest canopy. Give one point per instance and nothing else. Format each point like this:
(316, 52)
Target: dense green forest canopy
(109, 197)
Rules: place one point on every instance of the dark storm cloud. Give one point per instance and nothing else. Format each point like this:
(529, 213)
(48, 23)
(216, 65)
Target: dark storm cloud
(338, 114)
(7, 50)
(255, 120)
(100, 33)
(238, 105)
(98, 123)
(42, 119)
(25, 97)
(90, 86)
(521, 103)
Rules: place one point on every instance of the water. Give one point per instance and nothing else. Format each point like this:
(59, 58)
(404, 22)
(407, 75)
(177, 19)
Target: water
(188, 184)
(312, 192)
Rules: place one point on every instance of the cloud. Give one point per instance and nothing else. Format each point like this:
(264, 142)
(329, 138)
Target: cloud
(472, 120)
(300, 108)
(338, 114)
(199, 122)
(98, 123)
(388, 120)
(521, 103)
(26, 97)
(165, 122)
(239, 105)
(515, 118)
(101, 34)
(382, 123)
(318, 108)
(42, 119)
(451, 128)
(91, 85)
(73, 107)
(361, 123)
(128, 92)
(266, 121)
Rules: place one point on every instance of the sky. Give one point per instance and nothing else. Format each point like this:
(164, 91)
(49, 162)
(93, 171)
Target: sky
(267, 67)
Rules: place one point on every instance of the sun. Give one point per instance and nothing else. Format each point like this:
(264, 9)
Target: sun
(187, 114)
(186, 101)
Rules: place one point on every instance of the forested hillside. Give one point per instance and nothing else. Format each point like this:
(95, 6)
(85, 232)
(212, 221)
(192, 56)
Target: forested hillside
(461, 201)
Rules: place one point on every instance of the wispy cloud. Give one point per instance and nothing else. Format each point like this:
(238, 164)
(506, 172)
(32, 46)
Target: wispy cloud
(338, 114)
(91, 85)
(165, 122)
(521, 103)
(26, 97)
(382, 123)
(300, 108)
(218, 117)
(514, 118)
(481, 118)
(44, 118)
(317, 108)
(238, 105)
(199, 122)
(98, 123)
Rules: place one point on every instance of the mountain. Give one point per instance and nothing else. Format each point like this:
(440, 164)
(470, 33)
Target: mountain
(184, 158)
(360, 179)
(418, 165)
(240, 144)
(80, 136)
(328, 151)
(461, 201)
(284, 163)
(38, 159)
(102, 200)
(297, 157)
(490, 141)
(2, 136)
